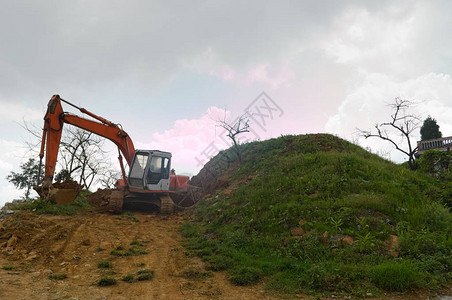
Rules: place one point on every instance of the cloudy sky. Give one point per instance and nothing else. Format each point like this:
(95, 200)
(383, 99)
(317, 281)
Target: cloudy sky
(166, 70)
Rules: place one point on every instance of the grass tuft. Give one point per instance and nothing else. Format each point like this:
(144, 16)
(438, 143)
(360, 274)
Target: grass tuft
(145, 274)
(195, 274)
(245, 275)
(128, 278)
(106, 281)
(133, 250)
(57, 276)
(104, 264)
(397, 276)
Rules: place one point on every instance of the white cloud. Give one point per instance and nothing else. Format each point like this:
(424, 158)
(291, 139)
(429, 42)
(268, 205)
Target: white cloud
(274, 75)
(188, 139)
(144, 41)
(16, 112)
(366, 105)
(391, 53)
(193, 142)
(271, 76)
(9, 193)
(5, 165)
(364, 36)
(11, 150)
(11, 153)
(384, 42)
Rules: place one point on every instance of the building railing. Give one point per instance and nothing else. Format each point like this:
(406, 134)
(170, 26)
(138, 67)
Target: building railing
(442, 144)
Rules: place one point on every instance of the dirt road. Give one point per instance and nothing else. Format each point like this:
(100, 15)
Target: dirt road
(35, 248)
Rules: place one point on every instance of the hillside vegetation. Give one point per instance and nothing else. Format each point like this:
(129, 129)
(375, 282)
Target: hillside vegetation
(319, 215)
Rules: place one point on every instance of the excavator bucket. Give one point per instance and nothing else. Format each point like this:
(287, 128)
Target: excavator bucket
(60, 193)
(65, 196)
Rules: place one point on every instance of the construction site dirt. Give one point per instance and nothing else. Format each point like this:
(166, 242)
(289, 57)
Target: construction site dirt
(37, 250)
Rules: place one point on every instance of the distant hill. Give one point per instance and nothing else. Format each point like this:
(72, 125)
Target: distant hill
(319, 215)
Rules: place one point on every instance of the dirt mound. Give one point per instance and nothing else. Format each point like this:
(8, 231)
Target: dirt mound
(68, 184)
(99, 198)
(214, 175)
(188, 199)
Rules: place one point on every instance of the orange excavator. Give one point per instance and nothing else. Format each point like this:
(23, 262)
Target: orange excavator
(150, 179)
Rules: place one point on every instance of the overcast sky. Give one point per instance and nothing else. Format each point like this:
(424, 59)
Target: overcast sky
(166, 70)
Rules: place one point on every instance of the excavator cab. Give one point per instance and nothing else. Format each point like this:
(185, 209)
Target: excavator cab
(150, 170)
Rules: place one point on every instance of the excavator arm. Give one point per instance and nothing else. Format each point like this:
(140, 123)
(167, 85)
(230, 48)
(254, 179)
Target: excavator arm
(54, 120)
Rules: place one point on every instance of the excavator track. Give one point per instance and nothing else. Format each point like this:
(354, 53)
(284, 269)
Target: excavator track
(166, 205)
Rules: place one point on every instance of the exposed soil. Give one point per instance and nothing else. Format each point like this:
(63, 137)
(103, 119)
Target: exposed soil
(214, 175)
(33, 247)
(67, 184)
(99, 198)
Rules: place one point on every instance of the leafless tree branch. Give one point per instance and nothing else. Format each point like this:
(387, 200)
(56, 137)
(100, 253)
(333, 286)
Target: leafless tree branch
(233, 129)
(401, 124)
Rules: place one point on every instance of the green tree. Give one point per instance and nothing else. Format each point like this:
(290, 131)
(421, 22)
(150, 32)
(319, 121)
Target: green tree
(27, 178)
(430, 129)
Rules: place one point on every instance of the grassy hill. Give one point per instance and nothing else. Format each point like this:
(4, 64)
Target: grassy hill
(319, 215)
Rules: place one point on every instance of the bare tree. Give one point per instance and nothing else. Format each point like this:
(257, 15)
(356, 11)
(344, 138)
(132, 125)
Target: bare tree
(33, 141)
(109, 178)
(233, 129)
(82, 157)
(401, 124)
